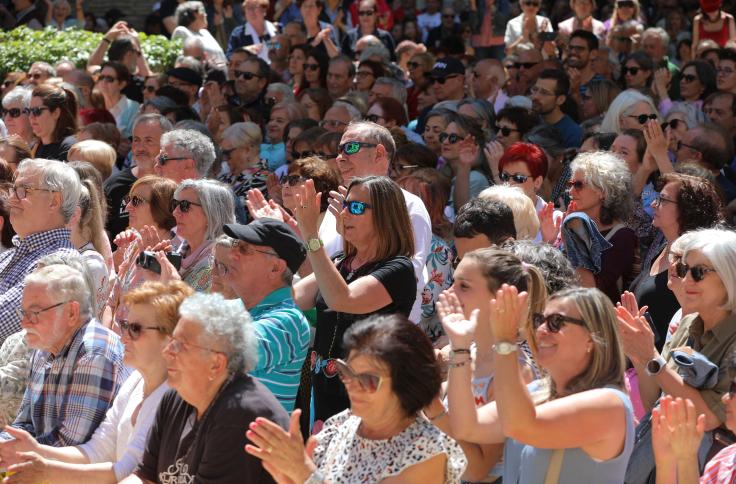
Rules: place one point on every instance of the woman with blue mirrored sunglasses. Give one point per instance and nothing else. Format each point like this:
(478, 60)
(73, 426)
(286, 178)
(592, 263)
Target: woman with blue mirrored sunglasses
(355, 207)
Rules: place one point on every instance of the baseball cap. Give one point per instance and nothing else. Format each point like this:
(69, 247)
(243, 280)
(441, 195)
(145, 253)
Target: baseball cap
(447, 66)
(186, 74)
(272, 233)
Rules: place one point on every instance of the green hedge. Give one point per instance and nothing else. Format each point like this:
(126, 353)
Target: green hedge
(21, 47)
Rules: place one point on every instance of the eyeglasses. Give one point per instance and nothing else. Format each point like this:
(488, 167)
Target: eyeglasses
(32, 316)
(184, 205)
(355, 207)
(295, 155)
(134, 200)
(366, 13)
(107, 79)
(352, 147)
(220, 268)
(311, 67)
(448, 15)
(555, 321)
(672, 124)
(163, 159)
(630, 70)
(175, 346)
(412, 65)
(367, 382)
(680, 144)
(575, 184)
(642, 118)
(373, 118)
(133, 330)
(245, 75)
(398, 168)
(725, 71)
(292, 180)
(364, 73)
(332, 123)
(505, 130)
(441, 80)
(659, 200)
(35, 112)
(451, 138)
(150, 88)
(525, 65)
(698, 273)
(577, 48)
(326, 156)
(21, 191)
(688, 78)
(246, 249)
(12, 112)
(517, 178)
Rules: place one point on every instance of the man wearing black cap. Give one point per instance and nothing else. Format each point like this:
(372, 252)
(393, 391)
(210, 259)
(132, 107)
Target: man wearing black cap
(187, 80)
(263, 259)
(448, 78)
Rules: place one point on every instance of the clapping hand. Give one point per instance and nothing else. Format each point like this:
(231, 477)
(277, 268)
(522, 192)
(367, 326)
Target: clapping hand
(549, 227)
(468, 152)
(636, 334)
(509, 310)
(493, 151)
(335, 206)
(307, 208)
(259, 207)
(460, 330)
(677, 430)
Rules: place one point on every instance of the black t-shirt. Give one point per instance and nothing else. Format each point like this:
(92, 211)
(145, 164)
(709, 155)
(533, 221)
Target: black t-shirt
(116, 189)
(211, 451)
(55, 151)
(134, 89)
(397, 276)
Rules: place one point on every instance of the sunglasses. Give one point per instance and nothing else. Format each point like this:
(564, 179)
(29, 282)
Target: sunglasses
(367, 382)
(326, 156)
(373, 118)
(12, 112)
(517, 178)
(163, 159)
(525, 65)
(184, 205)
(292, 180)
(35, 112)
(352, 147)
(642, 118)
(135, 200)
(632, 70)
(450, 138)
(506, 131)
(295, 155)
(672, 124)
(554, 321)
(355, 207)
(441, 80)
(688, 78)
(311, 67)
(698, 273)
(150, 88)
(246, 75)
(366, 13)
(577, 184)
(133, 330)
(107, 79)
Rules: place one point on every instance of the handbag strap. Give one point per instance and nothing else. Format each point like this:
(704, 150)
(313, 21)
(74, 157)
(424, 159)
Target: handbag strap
(555, 467)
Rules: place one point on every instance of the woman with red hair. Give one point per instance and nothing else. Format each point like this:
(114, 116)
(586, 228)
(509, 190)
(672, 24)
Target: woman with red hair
(524, 165)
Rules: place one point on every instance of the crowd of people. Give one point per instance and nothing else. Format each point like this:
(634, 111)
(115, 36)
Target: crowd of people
(371, 241)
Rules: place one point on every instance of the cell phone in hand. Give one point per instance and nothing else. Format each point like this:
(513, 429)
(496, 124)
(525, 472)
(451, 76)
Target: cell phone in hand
(547, 36)
(147, 260)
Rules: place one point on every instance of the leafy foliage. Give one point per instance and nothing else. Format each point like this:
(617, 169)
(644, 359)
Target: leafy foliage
(21, 47)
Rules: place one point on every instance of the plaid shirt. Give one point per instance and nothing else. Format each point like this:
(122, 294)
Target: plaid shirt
(17, 263)
(69, 394)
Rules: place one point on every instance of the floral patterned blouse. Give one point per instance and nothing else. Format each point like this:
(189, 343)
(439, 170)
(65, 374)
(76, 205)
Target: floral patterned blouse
(439, 267)
(251, 177)
(343, 456)
(15, 358)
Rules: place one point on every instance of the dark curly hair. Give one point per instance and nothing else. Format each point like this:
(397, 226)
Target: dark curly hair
(407, 352)
(698, 203)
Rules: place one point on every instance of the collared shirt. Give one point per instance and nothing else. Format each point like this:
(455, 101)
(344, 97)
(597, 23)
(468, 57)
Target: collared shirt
(245, 35)
(68, 394)
(283, 341)
(717, 344)
(17, 263)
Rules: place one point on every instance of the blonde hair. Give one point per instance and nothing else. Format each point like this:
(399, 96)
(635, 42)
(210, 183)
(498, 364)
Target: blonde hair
(98, 153)
(526, 220)
(92, 216)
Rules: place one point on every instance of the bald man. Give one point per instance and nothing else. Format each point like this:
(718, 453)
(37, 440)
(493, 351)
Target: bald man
(489, 79)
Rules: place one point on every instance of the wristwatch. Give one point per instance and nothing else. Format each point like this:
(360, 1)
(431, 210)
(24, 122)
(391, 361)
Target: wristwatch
(655, 365)
(504, 348)
(313, 245)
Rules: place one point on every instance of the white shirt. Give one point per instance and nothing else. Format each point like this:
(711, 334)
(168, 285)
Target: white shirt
(422, 226)
(428, 21)
(515, 28)
(566, 27)
(270, 30)
(211, 46)
(116, 439)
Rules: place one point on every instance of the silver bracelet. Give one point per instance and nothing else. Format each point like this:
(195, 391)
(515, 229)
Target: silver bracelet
(315, 477)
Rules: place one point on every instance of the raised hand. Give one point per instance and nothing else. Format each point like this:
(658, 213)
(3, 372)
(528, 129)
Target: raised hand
(273, 185)
(549, 227)
(335, 206)
(637, 336)
(628, 300)
(493, 151)
(307, 208)
(460, 330)
(259, 207)
(684, 427)
(509, 310)
(168, 271)
(468, 152)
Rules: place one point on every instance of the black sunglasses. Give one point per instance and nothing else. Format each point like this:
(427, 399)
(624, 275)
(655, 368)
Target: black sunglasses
(184, 205)
(311, 67)
(642, 118)
(326, 156)
(688, 78)
(504, 130)
(412, 65)
(697, 272)
(12, 112)
(134, 329)
(107, 79)
(134, 200)
(633, 70)
(295, 155)
(246, 75)
(35, 112)
(373, 118)
(672, 124)
(555, 321)
(517, 178)
(150, 88)
(577, 184)
(450, 138)
(442, 80)
(680, 144)
(525, 65)
(366, 13)
(163, 159)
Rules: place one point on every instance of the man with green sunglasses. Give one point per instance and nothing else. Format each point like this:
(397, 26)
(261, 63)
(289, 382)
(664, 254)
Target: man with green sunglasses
(367, 149)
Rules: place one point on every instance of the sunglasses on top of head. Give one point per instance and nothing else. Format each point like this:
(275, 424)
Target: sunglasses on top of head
(555, 321)
(355, 207)
(292, 180)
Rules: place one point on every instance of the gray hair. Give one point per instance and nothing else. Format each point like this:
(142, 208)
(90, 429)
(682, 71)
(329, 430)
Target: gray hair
(75, 261)
(162, 121)
(224, 240)
(342, 58)
(185, 12)
(66, 283)
(284, 89)
(398, 90)
(352, 110)
(46, 67)
(375, 50)
(217, 201)
(18, 95)
(190, 62)
(196, 144)
(59, 177)
(664, 37)
(718, 245)
(374, 133)
(620, 106)
(608, 173)
(227, 326)
(484, 110)
(243, 133)
(555, 267)
(195, 42)
(693, 115)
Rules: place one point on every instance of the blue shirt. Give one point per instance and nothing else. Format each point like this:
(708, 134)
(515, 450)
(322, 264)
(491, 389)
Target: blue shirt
(283, 342)
(572, 133)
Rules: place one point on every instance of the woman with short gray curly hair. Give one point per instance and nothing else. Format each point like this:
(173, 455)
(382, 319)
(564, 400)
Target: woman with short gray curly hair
(191, 21)
(600, 187)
